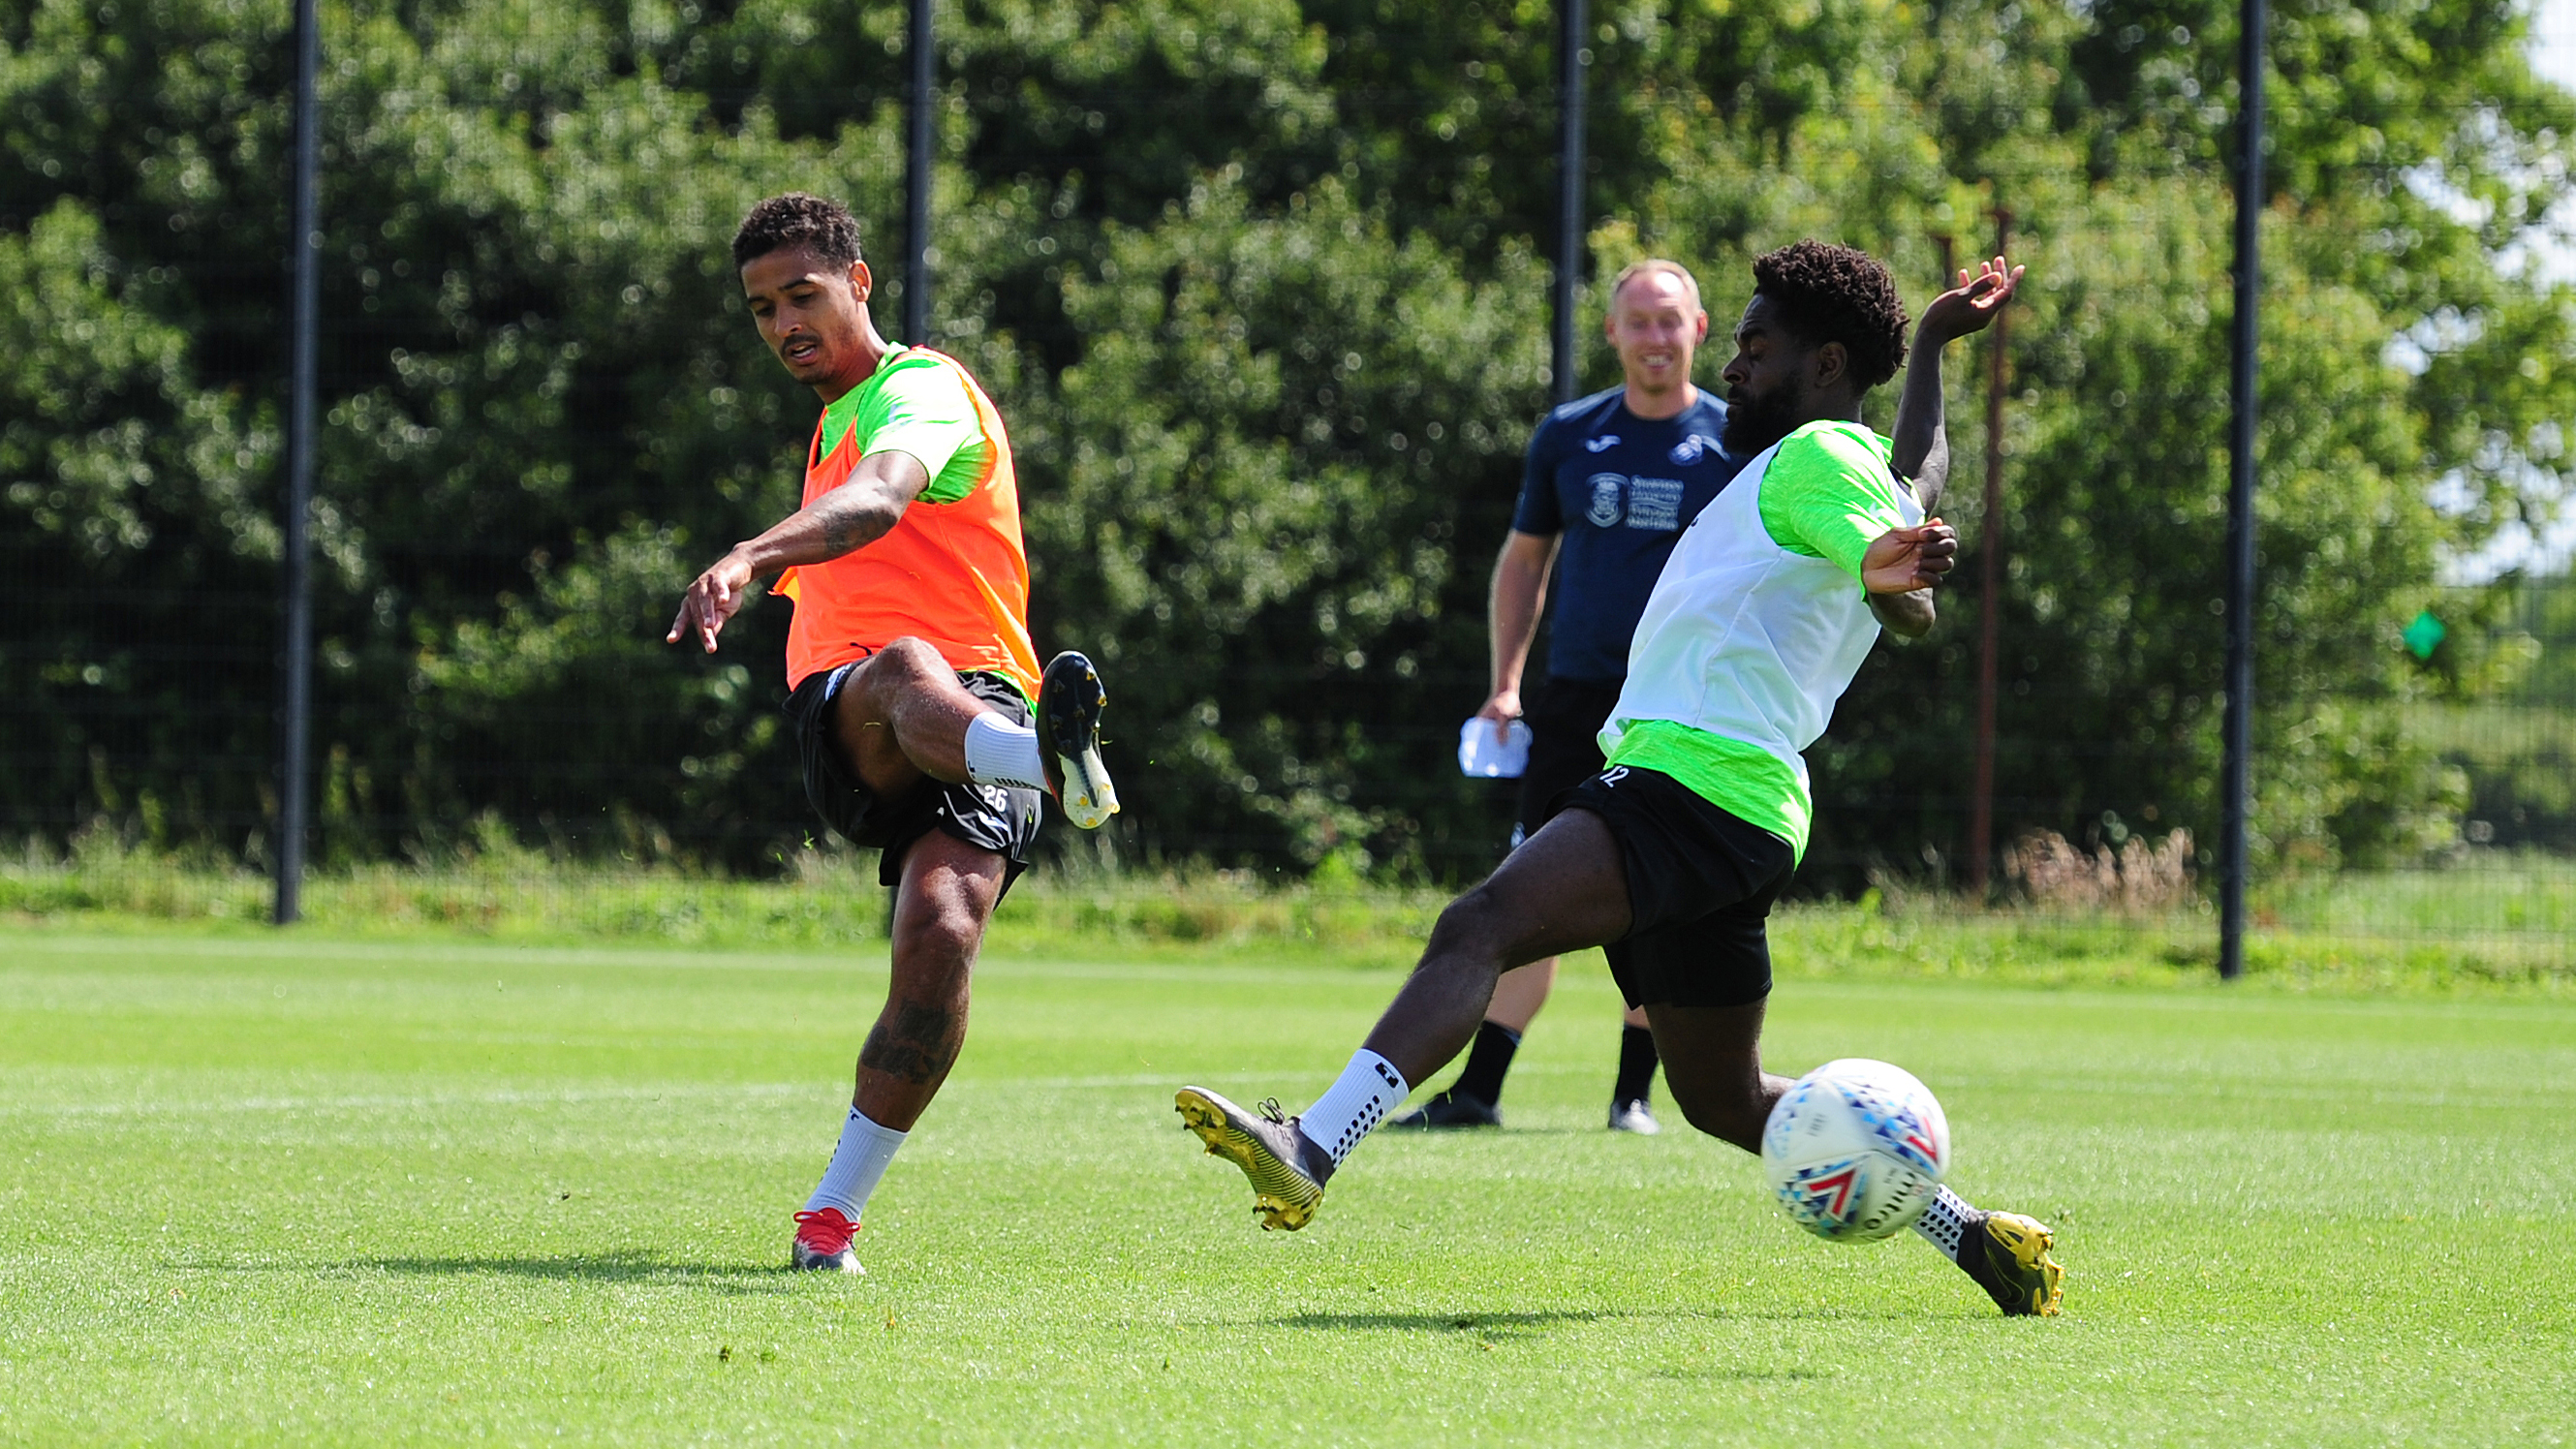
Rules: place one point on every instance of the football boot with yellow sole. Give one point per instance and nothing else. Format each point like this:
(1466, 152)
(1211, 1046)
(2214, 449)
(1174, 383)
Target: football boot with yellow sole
(2007, 1254)
(1287, 1170)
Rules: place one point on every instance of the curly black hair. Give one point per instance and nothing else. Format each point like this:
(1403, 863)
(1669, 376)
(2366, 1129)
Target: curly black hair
(818, 224)
(1828, 293)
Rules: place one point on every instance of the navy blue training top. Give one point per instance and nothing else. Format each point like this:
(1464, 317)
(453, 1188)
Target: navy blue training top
(1621, 489)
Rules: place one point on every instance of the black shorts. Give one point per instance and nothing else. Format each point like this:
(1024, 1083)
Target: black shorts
(1564, 718)
(1700, 884)
(987, 817)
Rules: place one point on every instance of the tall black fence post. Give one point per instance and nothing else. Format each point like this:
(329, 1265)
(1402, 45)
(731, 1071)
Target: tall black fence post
(916, 214)
(916, 178)
(1573, 56)
(295, 654)
(2240, 491)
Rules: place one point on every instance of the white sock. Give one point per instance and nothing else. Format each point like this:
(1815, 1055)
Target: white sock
(1358, 1100)
(858, 1164)
(999, 752)
(1945, 1223)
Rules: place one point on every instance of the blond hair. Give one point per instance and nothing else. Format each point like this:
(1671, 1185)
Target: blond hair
(1652, 265)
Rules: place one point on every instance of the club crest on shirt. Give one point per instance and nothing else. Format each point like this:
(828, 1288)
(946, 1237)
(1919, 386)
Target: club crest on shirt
(1601, 444)
(1606, 488)
(1689, 449)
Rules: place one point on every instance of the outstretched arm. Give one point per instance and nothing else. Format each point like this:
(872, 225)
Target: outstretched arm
(1901, 570)
(1921, 454)
(1921, 450)
(845, 520)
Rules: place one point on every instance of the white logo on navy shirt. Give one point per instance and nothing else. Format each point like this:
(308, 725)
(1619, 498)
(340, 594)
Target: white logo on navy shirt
(1601, 444)
(1655, 503)
(1688, 450)
(1606, 488)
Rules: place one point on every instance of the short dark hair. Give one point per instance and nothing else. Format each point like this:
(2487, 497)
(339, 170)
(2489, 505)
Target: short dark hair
(817, 223)
(1828, 293)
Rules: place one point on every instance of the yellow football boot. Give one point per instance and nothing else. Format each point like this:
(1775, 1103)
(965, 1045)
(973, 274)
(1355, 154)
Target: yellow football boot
(2013, 1266)
(1287, 1171)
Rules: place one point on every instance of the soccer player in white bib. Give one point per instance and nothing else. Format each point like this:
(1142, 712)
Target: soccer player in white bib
(1611, 482)
(1671, 857)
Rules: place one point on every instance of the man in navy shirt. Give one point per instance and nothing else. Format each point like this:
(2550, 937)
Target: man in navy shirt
(1611, 482)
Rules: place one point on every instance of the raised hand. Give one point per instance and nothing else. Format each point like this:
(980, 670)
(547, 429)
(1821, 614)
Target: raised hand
(1968, 307)
(1903, 560)
(717, 595)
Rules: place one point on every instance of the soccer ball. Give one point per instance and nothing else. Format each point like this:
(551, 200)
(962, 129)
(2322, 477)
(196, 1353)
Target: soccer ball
(1855, 1150)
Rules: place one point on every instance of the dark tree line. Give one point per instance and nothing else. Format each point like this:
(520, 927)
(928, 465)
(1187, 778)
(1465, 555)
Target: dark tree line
(1262, 291)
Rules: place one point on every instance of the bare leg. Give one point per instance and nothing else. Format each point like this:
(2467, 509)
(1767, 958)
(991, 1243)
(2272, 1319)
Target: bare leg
(1636, 1017)
(947, 895)
(1520, 993)
(902, 715)
(1713, 1067)
(1564, 889)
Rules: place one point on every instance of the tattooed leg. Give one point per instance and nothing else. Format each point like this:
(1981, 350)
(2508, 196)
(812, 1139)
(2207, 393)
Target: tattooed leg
(914, 1041)
(948, 893)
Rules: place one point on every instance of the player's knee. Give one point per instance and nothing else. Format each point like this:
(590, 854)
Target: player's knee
(937, 945)
(1724, 1118)
(915, 657)
(1490, 925)
(897, 672)
(1468, 926)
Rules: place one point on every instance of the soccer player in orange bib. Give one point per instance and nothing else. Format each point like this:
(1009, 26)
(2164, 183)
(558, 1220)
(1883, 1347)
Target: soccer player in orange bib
(909, 667)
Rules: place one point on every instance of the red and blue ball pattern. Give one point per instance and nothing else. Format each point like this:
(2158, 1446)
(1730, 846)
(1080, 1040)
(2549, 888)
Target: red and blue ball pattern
(1856, 1149)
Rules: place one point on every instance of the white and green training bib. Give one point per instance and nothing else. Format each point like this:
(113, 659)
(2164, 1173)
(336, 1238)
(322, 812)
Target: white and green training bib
(1758, 624)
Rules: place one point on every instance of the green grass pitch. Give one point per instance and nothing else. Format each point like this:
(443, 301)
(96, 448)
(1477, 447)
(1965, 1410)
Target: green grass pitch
(262, 1191)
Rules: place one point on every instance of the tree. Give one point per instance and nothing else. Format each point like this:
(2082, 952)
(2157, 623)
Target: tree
(1260, 291)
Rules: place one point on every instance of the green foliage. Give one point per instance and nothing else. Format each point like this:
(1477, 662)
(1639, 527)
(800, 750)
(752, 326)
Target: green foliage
(2492, 921)
(2504, 688)
(1236, 476)
(2114, 518)
(1261, 289)
(2115, 541)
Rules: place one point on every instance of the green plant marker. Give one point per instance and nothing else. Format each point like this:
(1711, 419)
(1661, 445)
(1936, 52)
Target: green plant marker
(2425, 635)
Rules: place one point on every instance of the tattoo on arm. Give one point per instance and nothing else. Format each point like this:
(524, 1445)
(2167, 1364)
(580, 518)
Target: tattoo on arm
(855, 515)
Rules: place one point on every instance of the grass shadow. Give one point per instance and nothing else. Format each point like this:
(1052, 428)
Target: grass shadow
(1592, 1130)
(1533, 1324)
(1713, 1373)
(628, 1266)
(1487, 1325)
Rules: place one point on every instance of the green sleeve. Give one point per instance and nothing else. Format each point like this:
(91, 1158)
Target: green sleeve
(1829, 494)
(920, 407)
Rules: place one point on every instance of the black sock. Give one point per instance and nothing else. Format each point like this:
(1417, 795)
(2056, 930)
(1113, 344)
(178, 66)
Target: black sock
(1487, 1060)
(1636, 1065)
